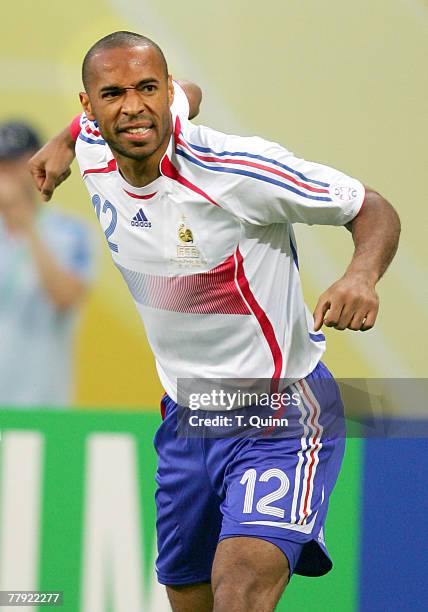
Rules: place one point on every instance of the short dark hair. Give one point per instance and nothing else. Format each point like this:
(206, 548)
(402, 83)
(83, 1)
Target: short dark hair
(119, 39)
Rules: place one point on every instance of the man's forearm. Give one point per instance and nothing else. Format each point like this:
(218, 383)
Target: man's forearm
(194, 96)
(352, 301)
(375, 232)
(63, 287)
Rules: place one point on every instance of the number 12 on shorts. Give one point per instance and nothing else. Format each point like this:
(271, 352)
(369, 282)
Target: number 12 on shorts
(249, 480)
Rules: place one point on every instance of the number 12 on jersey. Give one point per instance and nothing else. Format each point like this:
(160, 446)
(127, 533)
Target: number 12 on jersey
(263, 505)
(106, 209)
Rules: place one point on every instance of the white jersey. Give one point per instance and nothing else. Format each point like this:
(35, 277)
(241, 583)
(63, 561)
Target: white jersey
(208, 250)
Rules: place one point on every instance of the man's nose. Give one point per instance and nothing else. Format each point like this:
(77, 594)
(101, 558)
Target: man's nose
(133, 102)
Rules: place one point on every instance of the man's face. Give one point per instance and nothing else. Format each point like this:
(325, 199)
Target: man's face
(16, 171)
(18, 202)
(129, 95)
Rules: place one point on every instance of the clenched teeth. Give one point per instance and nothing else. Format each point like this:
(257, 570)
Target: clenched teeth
(139, 130)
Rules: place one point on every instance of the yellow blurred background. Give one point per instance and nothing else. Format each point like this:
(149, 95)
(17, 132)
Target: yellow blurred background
(340, 82)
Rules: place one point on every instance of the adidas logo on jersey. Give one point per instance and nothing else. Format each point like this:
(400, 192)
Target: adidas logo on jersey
(140, 220)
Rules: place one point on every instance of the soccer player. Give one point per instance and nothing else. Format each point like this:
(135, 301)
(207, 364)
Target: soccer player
(199, 223)
(46, 264)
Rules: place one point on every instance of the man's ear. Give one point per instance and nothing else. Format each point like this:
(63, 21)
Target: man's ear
(86, 105)
(170, 90)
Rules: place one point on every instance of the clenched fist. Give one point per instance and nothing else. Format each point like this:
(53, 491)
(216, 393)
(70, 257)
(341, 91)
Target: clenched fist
(51, 165)
(350, 303)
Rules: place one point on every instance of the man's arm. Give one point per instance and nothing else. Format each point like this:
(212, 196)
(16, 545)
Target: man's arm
(51, 165)
(282, 188)
(63, 287)
(352, 301)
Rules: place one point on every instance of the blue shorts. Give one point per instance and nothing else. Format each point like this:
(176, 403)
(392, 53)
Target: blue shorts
(272, 488)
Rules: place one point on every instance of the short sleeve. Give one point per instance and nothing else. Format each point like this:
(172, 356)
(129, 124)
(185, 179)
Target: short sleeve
(92, 152)
(75, 127)
(180, 106)
(275, 186)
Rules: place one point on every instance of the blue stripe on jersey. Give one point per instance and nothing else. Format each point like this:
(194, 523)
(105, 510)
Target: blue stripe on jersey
(85, 120)
(317, 337)
(265, 159)
(294, 253)
(91, 141)
(259, 177)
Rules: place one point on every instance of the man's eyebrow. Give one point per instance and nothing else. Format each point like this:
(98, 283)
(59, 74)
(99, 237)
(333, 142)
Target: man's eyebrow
(111, 88)
(146, 81)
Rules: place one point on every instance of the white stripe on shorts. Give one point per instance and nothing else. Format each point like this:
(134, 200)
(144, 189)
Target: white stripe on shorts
(312, 452)
(303, 416)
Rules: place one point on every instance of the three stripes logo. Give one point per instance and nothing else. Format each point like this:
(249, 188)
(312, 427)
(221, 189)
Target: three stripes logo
(140, 220)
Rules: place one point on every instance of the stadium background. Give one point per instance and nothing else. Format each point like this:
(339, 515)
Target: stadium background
(343, 83)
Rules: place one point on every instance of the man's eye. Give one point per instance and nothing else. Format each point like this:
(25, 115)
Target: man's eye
(148, 88)
(111, 94)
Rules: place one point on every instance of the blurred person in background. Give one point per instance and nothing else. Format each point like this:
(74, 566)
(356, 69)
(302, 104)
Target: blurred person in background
(45, 266)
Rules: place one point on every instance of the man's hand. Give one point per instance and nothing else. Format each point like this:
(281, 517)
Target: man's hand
(51, 165)
(350, 303)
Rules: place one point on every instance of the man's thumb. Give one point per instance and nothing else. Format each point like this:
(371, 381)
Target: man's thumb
(319, 313)
(48, 187)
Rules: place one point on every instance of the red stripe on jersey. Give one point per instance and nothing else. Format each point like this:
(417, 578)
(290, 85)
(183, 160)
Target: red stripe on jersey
(177, 128)
(212, 292)
(244, 162)
(261, 317)
(140, 197)
(170, 171)
(111, 167)
(90, 131)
